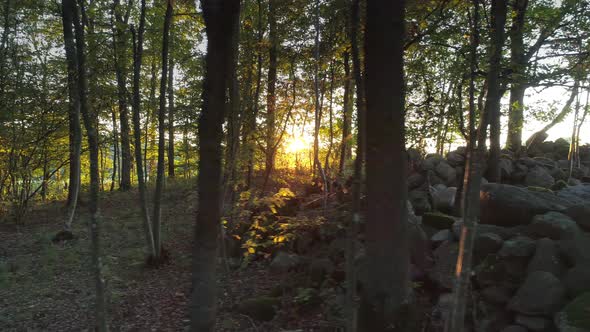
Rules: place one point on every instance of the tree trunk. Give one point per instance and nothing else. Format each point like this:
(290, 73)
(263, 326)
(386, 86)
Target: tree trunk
(137, 57)
(316, 91)
(115, 150)
(272, 80)
(171, 118)
(518, 85)
(345, 146)
(331, 121)
(539, 137)
(387, 253)
(92, 134)
(251, 125)
(219, 19)
(120, 48)
(492, 106)
(161, 132)
(470, 195)
(73, 113)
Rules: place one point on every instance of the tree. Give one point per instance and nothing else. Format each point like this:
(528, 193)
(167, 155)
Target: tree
(92, 135)
(170, 112)
(136, 106)
(161, 134)
(73, 113)
(386, 241)
(219, 20)
(120, 43)
(271, 87)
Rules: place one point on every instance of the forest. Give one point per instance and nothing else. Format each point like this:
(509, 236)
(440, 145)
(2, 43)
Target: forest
(295, 165)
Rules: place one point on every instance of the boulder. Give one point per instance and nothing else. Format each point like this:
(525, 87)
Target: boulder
(503, 232)
(319, 269)
(496, 295)
(420, 201)
(493, 272)
(261, 308)
(575, 247)
(577, 280)
(553, 225)
(514, 328)
(447, 173)
(437, 220)
(445, 261)
(574, 316)
(534, 323)
(580, 213)
(284, 262)
(539, 177)
(443, 198)
(576, 194)
(485, 244)
(546, 258)
(519, 246)
(506, 168)
(507, 205)
(415, 180)
(540, 294)
(440, 237)
(455, 158)
(431, 161)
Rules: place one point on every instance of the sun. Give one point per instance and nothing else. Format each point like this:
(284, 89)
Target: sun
(296, 144)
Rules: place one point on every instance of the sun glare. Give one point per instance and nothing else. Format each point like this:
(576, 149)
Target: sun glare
(296, 144)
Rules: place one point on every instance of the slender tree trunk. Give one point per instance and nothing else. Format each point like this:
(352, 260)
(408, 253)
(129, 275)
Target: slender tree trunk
(219, 19)
(586, 110)
(572, 152)
(540, 136)
(161, 132)
(331, 121)
(494, 95)
(143, 202)
(171, 117)
(316, 90)
(345, 146)
(252, 120)
(92, 134)
(270, 93)
(149, 121)
(73, 113)
(387, 252)
(115, 150)
(518, 66)
(470, 195)
(120, 48)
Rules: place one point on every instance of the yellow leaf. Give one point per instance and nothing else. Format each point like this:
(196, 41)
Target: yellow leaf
(251, 250)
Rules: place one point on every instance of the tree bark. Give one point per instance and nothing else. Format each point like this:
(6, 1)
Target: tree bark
(345, 146)
(143, 202)
(539, 137)
(219, 18)
(73, 113)
(171, 116)
(271, 87)
(387, 253)
(492, 106)
(161, 134)
(120, 48)
(92, 134)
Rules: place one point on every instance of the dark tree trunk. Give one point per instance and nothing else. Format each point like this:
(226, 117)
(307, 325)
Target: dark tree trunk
(271, 87)
(171, 118)
(386, 238)
(345, 146)
(92, 134)
(115, 150)
(518, 66)
(161, 134)
(492, 106)
(73, 113)
(137, 57)
(120, 48)
(219, 19)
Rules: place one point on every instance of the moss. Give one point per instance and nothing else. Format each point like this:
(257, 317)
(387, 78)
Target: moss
(577, 312)
(540, 189)
(559, 184)
(261, 308)
(438, 220)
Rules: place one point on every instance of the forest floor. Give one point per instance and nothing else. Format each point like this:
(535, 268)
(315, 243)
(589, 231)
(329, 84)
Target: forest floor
(46, 286)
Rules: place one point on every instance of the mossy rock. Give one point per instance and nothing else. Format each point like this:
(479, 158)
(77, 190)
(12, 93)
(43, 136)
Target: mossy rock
(540, 189)
(261, 308)
(559, 184)
(438, 220)
(576, 315)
